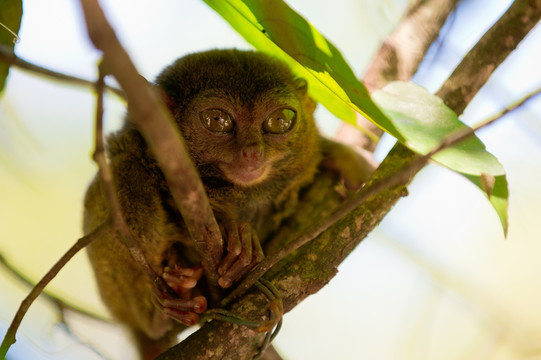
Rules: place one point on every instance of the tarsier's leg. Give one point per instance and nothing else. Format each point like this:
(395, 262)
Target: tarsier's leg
(353, 168)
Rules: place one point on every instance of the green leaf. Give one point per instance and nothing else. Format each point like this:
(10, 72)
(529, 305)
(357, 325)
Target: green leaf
(413, 116)
(11, 12)
(273, 27)
(425, 121)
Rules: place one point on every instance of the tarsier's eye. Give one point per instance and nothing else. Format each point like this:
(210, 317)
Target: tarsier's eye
(279, 121)
(216, 120)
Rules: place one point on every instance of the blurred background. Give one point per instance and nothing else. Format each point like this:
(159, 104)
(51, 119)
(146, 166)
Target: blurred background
(437, 279)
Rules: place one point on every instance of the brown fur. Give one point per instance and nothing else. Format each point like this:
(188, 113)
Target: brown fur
(249, 86)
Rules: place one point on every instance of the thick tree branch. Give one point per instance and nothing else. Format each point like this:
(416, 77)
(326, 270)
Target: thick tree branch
(164, 139)
(401, 53)
(398, 59)
(308, 269)
(481, 61)
(399, 177)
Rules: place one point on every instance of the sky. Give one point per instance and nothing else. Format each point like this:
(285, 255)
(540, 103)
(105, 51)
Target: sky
(436, 280)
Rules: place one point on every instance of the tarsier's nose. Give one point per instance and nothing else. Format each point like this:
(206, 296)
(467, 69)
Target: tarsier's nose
(252, 154)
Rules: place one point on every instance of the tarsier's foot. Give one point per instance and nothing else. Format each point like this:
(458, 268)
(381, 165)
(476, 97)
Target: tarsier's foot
(184, 309)
(243, 252)
(353, 168)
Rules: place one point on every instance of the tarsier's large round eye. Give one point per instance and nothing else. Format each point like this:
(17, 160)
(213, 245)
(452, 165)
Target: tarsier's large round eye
(216, 120)
(279, 121)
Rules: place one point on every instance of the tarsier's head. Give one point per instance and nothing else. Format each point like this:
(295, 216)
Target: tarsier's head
(245, 117)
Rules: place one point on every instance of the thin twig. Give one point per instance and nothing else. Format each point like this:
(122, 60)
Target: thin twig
(60, 304)
(9, 338)
(463, 134)
(397, 178)
(163, 138)
(105, 173)
(8, 55)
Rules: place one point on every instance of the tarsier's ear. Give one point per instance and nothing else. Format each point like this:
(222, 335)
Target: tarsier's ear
(302, 85)
(309, 104)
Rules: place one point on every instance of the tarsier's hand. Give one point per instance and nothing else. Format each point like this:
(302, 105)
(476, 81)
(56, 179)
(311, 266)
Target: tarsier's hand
(184, 309)
(243, 252)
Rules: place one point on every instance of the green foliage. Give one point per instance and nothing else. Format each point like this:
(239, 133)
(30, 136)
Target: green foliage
(273, 27)
(11, 12)
(417, 119)
(425, 121)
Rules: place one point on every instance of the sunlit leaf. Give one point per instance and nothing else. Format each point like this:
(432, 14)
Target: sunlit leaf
(412, 115)
(425, 121)
(11, 12)
(273, 27)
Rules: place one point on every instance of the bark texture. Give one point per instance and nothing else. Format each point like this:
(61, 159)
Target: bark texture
(308, 269)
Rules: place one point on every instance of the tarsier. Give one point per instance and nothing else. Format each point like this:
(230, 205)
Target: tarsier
(248, 125)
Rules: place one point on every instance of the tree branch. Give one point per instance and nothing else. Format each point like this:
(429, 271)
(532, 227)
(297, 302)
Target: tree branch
(118, 223)
(163, 138)
(114, 223)
(8, 55)
(308, 269)
(481, 61)
(400, 176)
(9, 338)
(398, 59)
(59, 303)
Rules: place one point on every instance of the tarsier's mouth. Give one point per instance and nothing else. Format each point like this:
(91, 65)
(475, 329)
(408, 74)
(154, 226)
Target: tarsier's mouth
(245, 175)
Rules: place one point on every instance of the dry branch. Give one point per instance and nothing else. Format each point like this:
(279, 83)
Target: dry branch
(61, 305)
(9, 338)
(400, 176)
(113, 224)
(481, 61)
(309, 268)
(398, 59)
(118, 223)
(163, 138)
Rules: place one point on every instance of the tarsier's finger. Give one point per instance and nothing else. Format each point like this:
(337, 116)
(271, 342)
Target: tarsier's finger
(182, 278)
(198, 304)
(257, 252)
(187, 318)
(242, 261)
(234, 247)
(256, 258)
